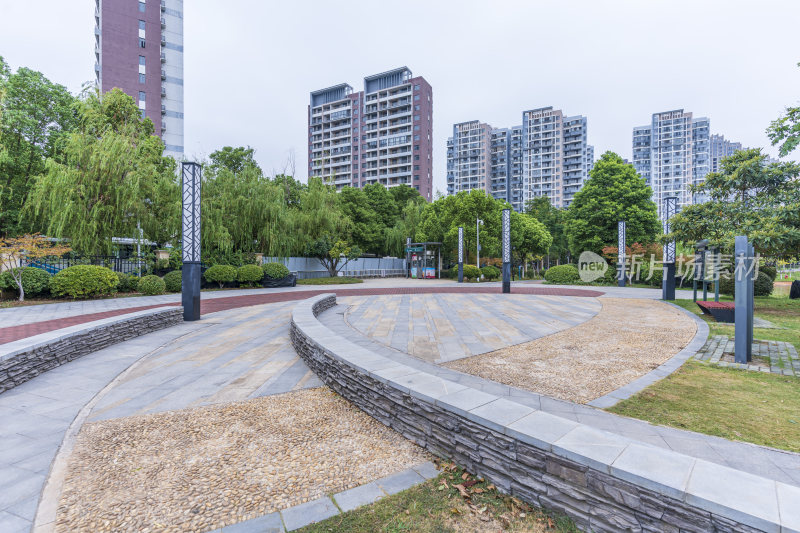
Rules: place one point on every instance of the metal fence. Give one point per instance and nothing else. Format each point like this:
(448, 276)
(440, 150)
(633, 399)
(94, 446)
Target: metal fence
(363, 267)
(126, 265)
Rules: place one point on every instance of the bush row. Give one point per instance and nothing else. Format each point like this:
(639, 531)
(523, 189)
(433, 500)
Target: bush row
(87, 281)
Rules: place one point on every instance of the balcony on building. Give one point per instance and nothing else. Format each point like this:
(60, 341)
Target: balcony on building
(163, 57)
(163, 22)
(163, 6)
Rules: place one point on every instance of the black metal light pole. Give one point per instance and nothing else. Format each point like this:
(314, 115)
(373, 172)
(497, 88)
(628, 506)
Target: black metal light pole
(621, 252)
(461, 254)
(190, 277)
(506, 250)
(669, 209)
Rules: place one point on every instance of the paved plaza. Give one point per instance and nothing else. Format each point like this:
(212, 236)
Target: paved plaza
(139, 428)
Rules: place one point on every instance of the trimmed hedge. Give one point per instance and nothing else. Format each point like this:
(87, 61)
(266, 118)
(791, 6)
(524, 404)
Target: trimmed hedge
(173, 281)
(34, 281)
(762, 286)
(126, 283)
(770, 271)
(152, 285)
(221, 274)
(490, 272)
(84, 281)
(275, 270)
(249, 275)
(562, 274)
(471, 272)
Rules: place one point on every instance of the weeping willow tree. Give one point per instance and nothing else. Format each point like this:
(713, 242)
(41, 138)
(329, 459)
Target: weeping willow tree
(319, 215)
(406, 226)
(112, 166)
(245, 212)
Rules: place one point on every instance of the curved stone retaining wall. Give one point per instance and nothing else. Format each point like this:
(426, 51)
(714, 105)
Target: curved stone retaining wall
(25, 359)
(603, 481)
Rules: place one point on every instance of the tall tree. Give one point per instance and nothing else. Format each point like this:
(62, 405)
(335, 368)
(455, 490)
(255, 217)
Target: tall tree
(786, 130)
(233, 159)
(613, 192)
(100, 188)
(747, 197)
(552, 217)
(35, 116)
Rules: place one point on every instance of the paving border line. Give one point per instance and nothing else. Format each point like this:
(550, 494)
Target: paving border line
(660, 372)
(317, 510)
(24, 359)
(604, 481)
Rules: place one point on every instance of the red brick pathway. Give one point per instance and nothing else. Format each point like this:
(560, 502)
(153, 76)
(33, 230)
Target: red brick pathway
(214, 305)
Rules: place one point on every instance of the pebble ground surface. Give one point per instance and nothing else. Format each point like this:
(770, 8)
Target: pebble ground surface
(627, 339)
(204, 468)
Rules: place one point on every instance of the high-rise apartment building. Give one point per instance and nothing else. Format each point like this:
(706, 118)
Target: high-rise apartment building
(547, 155)
(720, 148)
(139, 49)
(672, 153)
(382, 134)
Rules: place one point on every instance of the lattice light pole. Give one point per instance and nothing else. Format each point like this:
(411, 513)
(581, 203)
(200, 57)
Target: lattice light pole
(669, 209)
(461, 254)
(190, 284)
(621, 231)
(506, 218)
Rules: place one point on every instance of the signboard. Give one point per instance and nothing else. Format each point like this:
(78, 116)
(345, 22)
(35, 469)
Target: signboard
(414, 249)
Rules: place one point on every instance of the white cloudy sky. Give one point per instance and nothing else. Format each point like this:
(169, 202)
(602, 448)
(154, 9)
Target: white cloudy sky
(249, 65)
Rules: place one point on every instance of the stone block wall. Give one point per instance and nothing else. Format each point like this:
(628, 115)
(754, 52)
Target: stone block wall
(586, 487)
(21, 365)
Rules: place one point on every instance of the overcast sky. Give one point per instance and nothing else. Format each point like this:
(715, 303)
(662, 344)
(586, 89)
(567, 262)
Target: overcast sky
(250, 65)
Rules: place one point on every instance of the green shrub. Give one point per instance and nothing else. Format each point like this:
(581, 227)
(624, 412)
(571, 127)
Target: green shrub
(126, 283)
(762, 286)
(220, 274)
(470, 272)
(770, 271)
(173, 280)
(562, 274)
(490, 272)
(654, 279)
(275, 270)
(249, 275)
(84, 281)
(34, 281)
(152, 285)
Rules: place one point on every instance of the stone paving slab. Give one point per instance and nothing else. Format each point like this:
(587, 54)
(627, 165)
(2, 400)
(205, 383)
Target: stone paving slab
(781, 356)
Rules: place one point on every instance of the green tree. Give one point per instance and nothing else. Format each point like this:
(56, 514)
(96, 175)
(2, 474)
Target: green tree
(786, 130)
(35, 117)
(613, 192)
(552, 217)
(318, 215)
(747, 197)
(101, 188)
(366, 231)
(333, 255)
(233, 159)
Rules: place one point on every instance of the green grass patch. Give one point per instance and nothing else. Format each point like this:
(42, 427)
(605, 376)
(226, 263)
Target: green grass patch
(339, 280)
(454, 502)
(734, 404)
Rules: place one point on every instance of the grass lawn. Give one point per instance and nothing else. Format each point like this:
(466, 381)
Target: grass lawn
(453, 502)
(734, 404)
(738, 405)
(339, 280)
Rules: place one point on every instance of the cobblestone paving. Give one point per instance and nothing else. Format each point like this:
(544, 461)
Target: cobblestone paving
(208, 467)
(445, 327)
(777, 357)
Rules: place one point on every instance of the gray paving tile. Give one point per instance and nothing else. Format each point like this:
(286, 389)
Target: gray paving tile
(400, 481)
(540, 429)
(358, 496)
(427, 470)
(789, 507)
(591, 447)
(270, 523)
(499, 413)
(662, 471)
(10, 523)
(309, 512)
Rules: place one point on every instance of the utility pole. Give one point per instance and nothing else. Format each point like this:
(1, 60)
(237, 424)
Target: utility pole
(478, 224)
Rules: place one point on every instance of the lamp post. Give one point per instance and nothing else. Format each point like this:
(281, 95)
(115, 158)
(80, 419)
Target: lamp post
(461, 254)
(668, 279)
(478, 224)
(190, 277)
(621, 234)
(506, 218)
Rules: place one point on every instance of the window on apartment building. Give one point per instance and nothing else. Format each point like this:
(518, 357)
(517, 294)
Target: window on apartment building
(416, 177)
(141, 60)
(416, 87)
(416, 147)
(416, 127)
(416, 97)
(141, 7)
(141, 25)
(416, 137)
(416, 167)
(141, 43)
(141, 113)
(416, 158)
(416, 117)
(141, 78)
(141, 96)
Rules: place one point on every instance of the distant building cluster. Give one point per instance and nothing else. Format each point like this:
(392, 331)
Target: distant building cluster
(383, 134)
(139, 49)
(546, 156)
